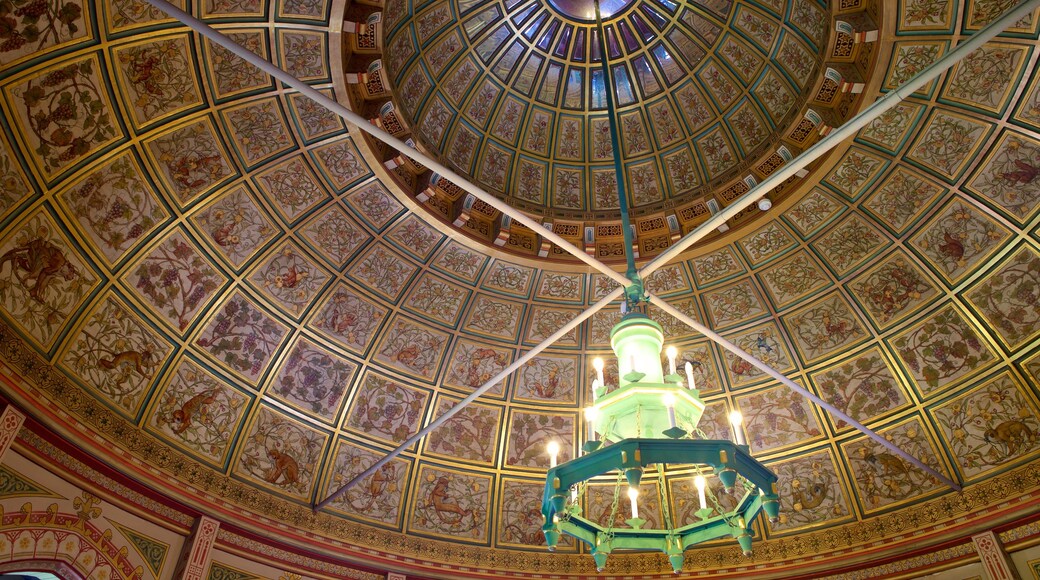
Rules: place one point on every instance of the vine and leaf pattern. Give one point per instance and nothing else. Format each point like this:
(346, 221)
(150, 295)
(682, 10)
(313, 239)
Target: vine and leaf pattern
(862, 388)
(811, 492)
(117, 356)
(777, 418)
(242, 337)
(470, 434)
(350, 319)
(438, 299)
(900, 198)
(116, 207)
(291, 278)
(175, 280)
(412, 347)
(452, 504)
(67, 113)
(958, 239)
(1010, 298)
(313, 380)
(31, 26)
(473, 364)
(892, 289)
(199, 411)
(1010, 176)
(947, 143)
(191, 160)
(884, 478)
(825, 327)
(529, 433)
(236, 225)
(941, 350)
(547, 378)
(159, 78)
(387, 410)
(989, 427)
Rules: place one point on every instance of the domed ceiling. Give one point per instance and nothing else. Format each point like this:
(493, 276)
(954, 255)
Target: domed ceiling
(203, 271)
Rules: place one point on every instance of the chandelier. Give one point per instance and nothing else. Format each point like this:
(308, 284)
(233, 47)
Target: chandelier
(650, 420)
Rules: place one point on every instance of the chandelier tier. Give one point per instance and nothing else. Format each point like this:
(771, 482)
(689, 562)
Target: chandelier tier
(648, 421)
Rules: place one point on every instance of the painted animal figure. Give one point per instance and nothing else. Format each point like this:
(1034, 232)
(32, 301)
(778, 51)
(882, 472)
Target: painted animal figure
(134, 359)
(1013, 434)
(815, 496)
(284, 468)
(443, 504)
(197, 405)
(40, 261)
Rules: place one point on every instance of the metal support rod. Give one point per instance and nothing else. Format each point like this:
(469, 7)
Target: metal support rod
(502, 375)
(839, 134)
(615, 142)
(718, 339)
(361, 123)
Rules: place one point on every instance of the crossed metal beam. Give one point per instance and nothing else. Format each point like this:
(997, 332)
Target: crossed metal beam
(788, 170)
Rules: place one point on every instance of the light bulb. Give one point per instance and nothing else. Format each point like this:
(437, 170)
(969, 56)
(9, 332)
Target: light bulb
(633, 494)
(671, 352)
(735, 419)
(669, 401)
(699, 483)
(553, 448)
(597, 363)
(688, 367)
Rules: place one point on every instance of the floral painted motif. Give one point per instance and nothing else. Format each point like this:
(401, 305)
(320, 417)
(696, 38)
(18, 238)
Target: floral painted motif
(199, 412)
(776, 418)
(607, 504)
(546, 321)
(460, 261)
(1009, 298)
(793, 279)
(437, 299)
(132, 13)
(191, 160)
(65, 112)
(984, 78)
(663, 122)
(909, 59)
(889, 129)
(507, 124)
(336, 235)
(892, 289)
(925, 15)
(796, 59)
(762, 342)
(349, 319)
(301, 54)
(561, 286)
(901, 198)
(741, 59)
(722, 88)
(212, 7)
(258, 130)
(242, 337)
(767, 242)
(529, 433)
(811, 492)
(378, 497)
(117, 356)
(473, 364)
(854, 172)
(480, 105)
(416, 236)
(230, 73)
(342, 163)
(530, 182)
(982, 12)
(236, 225)
(13, 187)
(383, 272)
(494, 317)
(34, 27)
(512, 278)
(281, 454)
(462, 147)
(459, 80)
(884, 478)
(693, 107)
(991, 426)
(412, 348)
(1010, 175)
(948, 143)
(471, 434)
(808, 17)
(313, 380)
(313, 120)
(762, 30)
(115, 206)
(567, 188)
(824, 327)
(813, 211)
(548, 377)
(863, 388)
(310, 9)
(735, 304)
(705, 374)
(374, 204)
(495, 168)
(159, 78)
(776, 94)
(716, 266)
(848, 244)
(941, 350)
(716, 152)
(291, 278)
(387, 410)
(748, 126)
(604, 189)
(452, 504)
(46, 279)
(175, 280)
(958, 239)
(682, 174)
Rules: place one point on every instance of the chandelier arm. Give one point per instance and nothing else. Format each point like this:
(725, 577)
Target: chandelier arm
(718, 339)
(840, 134)
(359, 122)
(502, 375)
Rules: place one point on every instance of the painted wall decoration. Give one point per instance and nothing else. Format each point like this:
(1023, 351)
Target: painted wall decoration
(313, 380)
(386, 409)
(451, 504)
(379, 497)
(281, 454)
(468, 435)
(529, 434)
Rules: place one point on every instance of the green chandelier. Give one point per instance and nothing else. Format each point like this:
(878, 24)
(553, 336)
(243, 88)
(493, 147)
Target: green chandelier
(636, 426)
